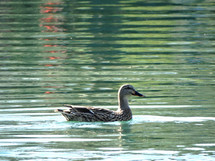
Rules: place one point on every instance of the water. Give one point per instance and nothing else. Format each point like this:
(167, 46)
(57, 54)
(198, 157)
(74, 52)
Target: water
(80, 52)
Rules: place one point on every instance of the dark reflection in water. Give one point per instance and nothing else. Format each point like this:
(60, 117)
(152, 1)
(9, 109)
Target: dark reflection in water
(80, 52)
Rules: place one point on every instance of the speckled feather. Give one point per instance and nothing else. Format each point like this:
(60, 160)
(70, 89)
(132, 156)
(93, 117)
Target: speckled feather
(91, 114)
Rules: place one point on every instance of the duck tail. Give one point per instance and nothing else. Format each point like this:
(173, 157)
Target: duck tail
(67, 105)
(58, 110)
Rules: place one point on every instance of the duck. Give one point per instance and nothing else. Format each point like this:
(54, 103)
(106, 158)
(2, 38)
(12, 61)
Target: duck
(93, 114)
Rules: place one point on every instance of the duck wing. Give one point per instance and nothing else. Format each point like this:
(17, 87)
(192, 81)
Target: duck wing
(89, 114)
(89, 110)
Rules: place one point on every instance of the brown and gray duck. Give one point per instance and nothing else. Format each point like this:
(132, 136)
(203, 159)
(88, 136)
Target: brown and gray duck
(92, 114)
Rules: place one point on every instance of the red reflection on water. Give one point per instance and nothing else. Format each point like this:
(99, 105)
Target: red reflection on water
(48, 92)
(50, 19)
(48, 65)
(50, 9)
(53, 57)
(50, 45)
(51, 22)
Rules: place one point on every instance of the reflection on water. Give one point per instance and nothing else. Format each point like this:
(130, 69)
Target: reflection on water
(80, 52)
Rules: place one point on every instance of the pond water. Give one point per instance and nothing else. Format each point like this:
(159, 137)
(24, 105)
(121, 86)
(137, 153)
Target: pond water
(55, 52)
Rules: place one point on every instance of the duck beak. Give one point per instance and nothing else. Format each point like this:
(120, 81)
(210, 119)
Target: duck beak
(138, 94)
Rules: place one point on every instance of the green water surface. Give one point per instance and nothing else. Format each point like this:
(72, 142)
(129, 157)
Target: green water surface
(55, 52)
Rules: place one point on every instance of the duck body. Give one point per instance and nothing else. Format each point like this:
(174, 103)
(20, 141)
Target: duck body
(92, 114)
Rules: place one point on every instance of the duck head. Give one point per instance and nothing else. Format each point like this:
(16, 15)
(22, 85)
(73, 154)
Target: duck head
(127, 90)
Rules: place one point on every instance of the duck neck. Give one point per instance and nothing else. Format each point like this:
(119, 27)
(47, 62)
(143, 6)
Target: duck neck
(123, 103)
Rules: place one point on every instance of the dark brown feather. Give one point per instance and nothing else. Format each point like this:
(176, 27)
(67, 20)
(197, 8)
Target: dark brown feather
(90, 114)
